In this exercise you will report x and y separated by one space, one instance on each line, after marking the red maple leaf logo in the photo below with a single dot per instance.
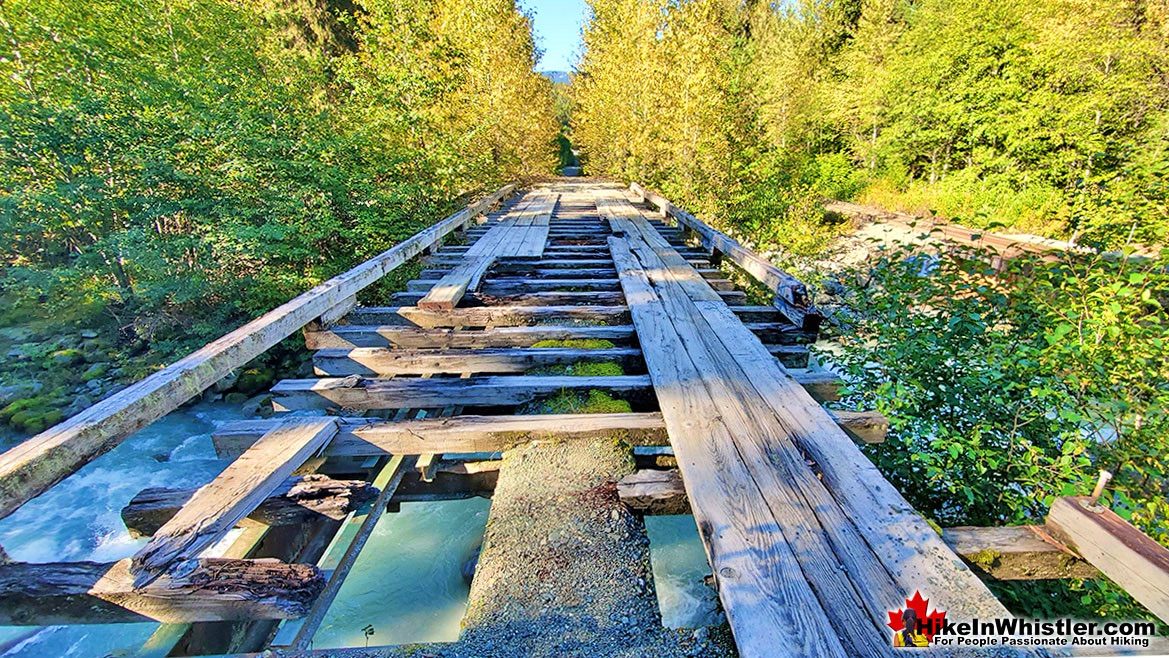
931 622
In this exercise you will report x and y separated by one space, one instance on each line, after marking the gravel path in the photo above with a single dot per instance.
565 568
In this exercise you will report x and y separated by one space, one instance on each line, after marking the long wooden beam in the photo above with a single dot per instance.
380 361
368 437
386 336
1118 549
791 295
232 495
214 589
33 466
484 391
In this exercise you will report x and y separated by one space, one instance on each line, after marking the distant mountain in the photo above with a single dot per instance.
558 77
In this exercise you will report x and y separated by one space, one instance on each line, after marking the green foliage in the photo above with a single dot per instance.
1048 116
1005 390
168 170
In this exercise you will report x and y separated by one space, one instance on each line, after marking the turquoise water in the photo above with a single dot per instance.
407 582
79 519
679 565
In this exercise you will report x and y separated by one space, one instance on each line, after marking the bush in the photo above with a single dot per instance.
1007 389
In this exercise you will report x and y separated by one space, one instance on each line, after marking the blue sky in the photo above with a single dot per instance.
557 26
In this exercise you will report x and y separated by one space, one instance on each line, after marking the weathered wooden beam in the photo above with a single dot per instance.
301 499
483 391
522 233
366 437
232 495
651 491
483 316
864 426
1118 549
515 286
213 590
386 336
380 361
1017 553
33 466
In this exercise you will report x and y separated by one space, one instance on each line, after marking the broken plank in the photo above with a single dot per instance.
232 495
301 499
215 589
649 491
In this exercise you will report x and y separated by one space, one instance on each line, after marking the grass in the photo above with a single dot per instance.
570 402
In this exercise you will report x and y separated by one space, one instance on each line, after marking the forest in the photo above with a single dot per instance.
171 169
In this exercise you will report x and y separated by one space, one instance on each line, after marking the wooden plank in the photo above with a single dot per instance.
33 466
232 495
518 285
516 235
537 298
484 391
482 316
654 492
413 337
215 589
365 437
379 361
864 426
300 499
813 537
1119 550
1017 553
770 605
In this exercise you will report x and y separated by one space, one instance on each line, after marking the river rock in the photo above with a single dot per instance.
79 404
224 385
88 334
95 371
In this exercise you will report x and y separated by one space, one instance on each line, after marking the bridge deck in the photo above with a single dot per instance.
570 298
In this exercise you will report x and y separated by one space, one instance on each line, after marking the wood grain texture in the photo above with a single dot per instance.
379 361
1016 553
1119 550
300 499
482 391
232 495
214 589
366 437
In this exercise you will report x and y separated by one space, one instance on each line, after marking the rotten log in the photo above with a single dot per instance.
217 589
304 499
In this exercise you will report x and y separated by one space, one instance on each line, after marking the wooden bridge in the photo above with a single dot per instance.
520 293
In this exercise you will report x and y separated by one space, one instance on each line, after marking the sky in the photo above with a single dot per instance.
557 25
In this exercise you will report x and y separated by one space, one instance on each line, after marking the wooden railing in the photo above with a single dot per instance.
791 295
30 468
